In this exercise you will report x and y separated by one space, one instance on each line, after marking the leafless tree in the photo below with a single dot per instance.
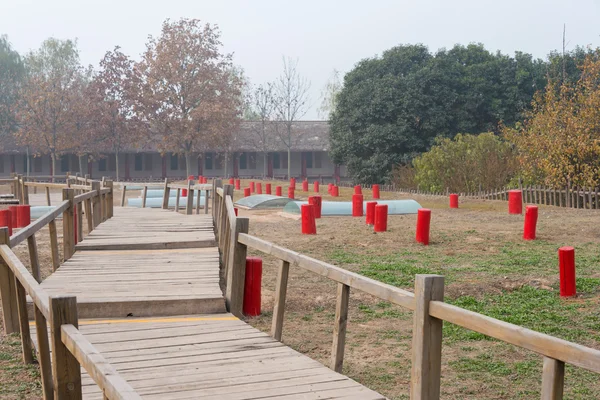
262 108
291 104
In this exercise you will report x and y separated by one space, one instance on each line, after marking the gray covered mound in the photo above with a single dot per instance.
395 207
259 201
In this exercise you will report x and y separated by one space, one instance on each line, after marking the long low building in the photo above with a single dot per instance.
309 159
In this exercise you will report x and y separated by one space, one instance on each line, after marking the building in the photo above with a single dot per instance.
309 158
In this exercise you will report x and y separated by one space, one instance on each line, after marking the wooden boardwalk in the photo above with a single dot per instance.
150 302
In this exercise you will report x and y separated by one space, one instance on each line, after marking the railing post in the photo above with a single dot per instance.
144 194
189 206
41 330
110 199
68 231
427 339
25 190
66 370
34 260
280 295
166 193
96 211
216 184
227 191
123 194
19 189
339 329
177 197
48 202
8 291
206 198
79 221
236 271
553 379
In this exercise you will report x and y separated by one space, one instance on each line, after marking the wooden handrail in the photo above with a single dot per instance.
220 191
38 224
100 370
230 211
84 196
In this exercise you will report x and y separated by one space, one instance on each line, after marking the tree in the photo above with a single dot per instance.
187 92
12 72
262 110
47 99
291 104
329 94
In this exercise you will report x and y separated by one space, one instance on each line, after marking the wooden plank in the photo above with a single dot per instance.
280 295
38 224
26 348
339 327
553 379
43 347
427 339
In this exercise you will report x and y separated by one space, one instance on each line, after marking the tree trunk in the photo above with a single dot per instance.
28 165
188 163
117 166
226 165
81 165
289 163
53 160
265 161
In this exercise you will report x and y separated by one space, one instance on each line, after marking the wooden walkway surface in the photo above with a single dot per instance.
158 316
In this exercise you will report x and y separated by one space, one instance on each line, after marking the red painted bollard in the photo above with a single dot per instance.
531 217
235 210
309 225
267 188
252 286
75 222
23 215
291 192
329 187
183 192
258 188
6 220
278 191
453 200
335 191
190 177
316 186
357 189
13 215
381 214
566 261
305 186
357 205
376 191
231 181
237 184
370 218
293 183
252 187
317 202
246 192
423 223
515 202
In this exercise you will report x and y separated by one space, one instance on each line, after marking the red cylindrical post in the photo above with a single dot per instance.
231 181
316 186
278 191
13 215
237 184
252 286
305 186
23 215
258 188
376 191
566 260
357 205
335 191
252 187
293 183
309 226
453 200
423 223
291 192
531 217
317 202
381 214
357 189
235 210
246 192
329 187
370 219
515 202
6 220
183 192
190 177
267 188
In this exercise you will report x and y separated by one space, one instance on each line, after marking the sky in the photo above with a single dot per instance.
322 35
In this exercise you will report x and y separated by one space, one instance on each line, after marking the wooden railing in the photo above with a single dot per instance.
427 303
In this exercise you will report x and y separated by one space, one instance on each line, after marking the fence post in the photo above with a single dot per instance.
68 231
166 193
34 260
25 190
41 330
206 198
227 191
339 328
427 339
110 199
8 291
96 211
66 370
19 189
123 194
553 379
144 194
189 206
236 271
280 295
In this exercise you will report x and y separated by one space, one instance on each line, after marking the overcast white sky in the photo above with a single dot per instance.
323 34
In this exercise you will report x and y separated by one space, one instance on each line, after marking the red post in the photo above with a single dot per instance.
566 260
235 210
231 181
309 226
237 184
370 219
293 183
381 214
357 189
515 202
13 215
75 222
357 205
183 192
329 187
291 192
258 188
246 192
376 191
316 186
453 200
23 215
252 187
317 202
423 223
305 186
278 191
190 177
335 191
531 217
6 220
252 286
267 188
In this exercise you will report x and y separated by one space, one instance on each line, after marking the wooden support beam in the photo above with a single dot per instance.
206 198
177 199
280 295
123 195
43 346
96 207
144 194
68 227
48 202
166 193
339 328
88 214
236 270
26 347
189 205
110 199
553 379
54 245
8 291
34 260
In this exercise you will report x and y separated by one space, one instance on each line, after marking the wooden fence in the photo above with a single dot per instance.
427 303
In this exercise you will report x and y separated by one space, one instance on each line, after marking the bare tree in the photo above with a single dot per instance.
329 94
262 108
291 104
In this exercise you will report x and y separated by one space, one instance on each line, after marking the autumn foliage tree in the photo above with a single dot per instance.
187 93
559 141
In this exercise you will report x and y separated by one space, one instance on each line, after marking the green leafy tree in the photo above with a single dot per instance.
12 72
